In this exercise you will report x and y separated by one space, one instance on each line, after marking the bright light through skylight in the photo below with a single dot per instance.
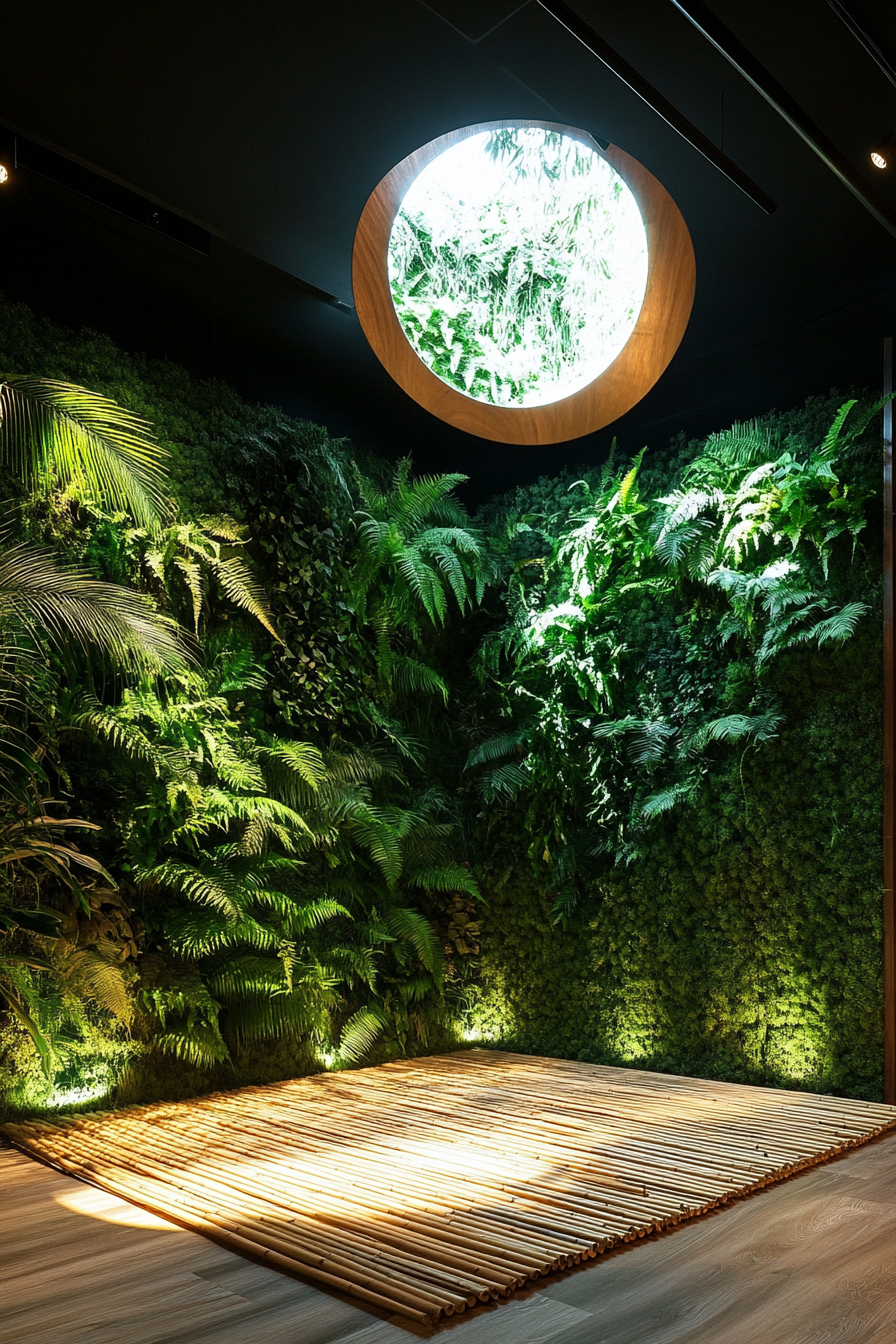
518 265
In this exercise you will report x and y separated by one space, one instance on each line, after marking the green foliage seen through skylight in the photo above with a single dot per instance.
518 265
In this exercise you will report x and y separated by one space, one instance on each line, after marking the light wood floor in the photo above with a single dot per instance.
810 1261
423 1187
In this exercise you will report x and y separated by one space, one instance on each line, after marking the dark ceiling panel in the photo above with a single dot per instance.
474 19
270 128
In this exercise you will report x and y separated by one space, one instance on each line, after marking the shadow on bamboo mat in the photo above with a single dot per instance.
426 1186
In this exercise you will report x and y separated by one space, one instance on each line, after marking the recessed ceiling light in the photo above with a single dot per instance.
4 173
884 153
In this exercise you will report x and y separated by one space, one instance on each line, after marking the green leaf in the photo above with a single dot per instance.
82 435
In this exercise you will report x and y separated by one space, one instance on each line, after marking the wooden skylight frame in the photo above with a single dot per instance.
661 324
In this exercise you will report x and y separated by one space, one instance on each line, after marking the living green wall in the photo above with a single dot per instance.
742 941
747 944
741 937
334 693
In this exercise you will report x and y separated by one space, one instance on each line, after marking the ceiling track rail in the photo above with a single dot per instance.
864 38
765 84
620 67
77 177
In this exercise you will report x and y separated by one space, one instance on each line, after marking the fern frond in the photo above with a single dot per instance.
200 1045
494 749
244 590
413 677
447 877
666 799
94 977
411 927
838 627
734 727
295 771
360 1032
210 885
192 576
503 781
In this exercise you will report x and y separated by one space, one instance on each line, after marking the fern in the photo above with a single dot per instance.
666 799
494 749
359 1033
448 877
95 978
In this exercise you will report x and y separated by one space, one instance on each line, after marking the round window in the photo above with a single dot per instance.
518 265
522 283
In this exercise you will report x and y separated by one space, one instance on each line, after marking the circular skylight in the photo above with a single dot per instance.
518 265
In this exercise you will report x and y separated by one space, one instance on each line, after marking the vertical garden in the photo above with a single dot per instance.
302 766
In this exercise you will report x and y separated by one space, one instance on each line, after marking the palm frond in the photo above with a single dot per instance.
63 605
45 423
25 1014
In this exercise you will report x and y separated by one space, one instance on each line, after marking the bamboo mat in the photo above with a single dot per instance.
425 1186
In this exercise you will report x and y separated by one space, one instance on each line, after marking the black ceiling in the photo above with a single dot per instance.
269 126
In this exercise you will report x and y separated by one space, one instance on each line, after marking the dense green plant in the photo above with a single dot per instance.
50 431
733 566
687 775
361 615
417 557
257 885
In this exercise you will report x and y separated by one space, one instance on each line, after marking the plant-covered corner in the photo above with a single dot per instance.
684 743
301 767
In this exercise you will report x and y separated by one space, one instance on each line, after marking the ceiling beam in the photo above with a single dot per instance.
862 35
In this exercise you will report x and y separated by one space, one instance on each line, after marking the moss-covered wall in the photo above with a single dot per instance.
747 944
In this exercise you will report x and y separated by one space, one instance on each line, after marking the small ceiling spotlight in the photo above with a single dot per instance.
883 155
4 174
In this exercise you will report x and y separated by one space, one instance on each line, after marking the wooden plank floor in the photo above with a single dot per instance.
432 1186
809 1261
